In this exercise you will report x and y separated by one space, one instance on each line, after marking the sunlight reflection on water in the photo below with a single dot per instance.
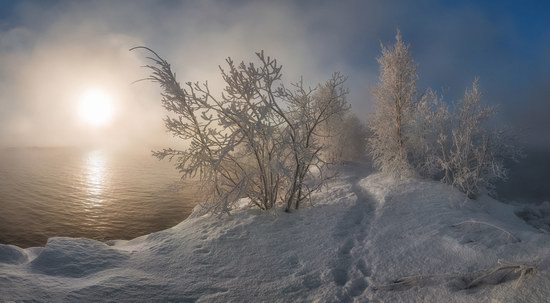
99 194
95 178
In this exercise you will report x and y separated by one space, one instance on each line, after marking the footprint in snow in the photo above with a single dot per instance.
357 287
362 267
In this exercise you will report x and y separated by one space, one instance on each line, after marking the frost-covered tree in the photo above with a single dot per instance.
460 146
308 110
394 102
345 139
431 127
473 154
255 140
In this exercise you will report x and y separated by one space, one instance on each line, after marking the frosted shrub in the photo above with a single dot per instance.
459 146
473 153
256 139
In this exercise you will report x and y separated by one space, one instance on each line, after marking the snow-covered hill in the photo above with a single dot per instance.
364 240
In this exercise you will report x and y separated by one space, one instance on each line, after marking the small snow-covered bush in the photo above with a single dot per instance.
256 140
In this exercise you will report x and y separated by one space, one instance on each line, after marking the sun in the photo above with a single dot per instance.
95 107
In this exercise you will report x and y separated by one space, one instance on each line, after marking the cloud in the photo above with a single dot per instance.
50 50
55 52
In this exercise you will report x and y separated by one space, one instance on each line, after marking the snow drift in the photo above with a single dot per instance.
372 239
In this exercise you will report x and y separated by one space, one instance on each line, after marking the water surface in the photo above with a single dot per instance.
91 193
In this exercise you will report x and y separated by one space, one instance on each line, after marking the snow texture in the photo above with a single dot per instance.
362 240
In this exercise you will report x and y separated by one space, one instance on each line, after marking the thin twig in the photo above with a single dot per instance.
472 221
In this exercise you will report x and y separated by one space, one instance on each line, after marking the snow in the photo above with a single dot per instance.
362 239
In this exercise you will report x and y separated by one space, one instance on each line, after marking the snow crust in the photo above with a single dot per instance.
370 239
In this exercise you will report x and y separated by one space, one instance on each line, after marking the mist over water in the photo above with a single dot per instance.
528 180
46 192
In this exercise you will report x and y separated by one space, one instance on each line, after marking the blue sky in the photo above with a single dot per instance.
505 43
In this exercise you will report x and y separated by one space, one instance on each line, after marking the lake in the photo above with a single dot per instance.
92 193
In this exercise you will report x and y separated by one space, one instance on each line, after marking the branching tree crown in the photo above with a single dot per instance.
256 140
473 153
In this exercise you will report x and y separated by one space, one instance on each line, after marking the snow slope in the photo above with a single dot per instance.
371 239
429 243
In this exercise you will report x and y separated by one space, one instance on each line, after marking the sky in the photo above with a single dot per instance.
53 52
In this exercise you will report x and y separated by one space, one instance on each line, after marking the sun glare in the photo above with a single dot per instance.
95 107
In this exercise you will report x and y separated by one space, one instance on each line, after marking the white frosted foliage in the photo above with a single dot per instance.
394 100
255 140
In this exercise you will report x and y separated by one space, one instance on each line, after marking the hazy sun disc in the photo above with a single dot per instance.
95 107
